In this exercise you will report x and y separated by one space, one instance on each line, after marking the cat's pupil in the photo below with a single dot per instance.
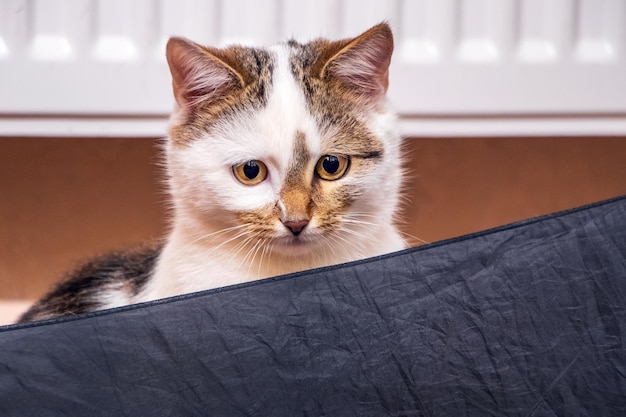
331 164
251 169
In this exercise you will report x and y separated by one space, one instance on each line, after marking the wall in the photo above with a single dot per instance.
65 199
460 67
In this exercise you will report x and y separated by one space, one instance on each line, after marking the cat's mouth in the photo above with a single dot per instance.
295 245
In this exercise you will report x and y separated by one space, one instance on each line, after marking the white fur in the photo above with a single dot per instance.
200 255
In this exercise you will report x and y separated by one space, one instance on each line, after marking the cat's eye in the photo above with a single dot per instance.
332 167
250 172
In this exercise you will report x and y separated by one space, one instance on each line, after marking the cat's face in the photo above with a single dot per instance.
289 149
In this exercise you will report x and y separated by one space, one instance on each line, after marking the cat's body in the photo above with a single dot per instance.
279 159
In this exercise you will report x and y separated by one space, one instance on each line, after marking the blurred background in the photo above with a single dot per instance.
510 108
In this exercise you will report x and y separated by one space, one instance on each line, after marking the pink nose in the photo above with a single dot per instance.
296 226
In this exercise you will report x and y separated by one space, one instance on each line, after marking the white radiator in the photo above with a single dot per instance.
461 67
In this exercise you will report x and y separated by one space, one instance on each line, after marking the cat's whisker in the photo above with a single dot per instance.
215 235
233 238
263 246
359 222
243 244
355 218
363 237
252 253
359 214
263 251
227 229
268 247
336 238
244 238
406 235
413 237
247 259
325 252
210 251
270 250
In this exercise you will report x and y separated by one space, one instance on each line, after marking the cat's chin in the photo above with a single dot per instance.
295 245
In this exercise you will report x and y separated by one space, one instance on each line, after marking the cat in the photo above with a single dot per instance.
278 159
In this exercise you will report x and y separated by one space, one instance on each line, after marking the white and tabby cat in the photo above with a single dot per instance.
279 159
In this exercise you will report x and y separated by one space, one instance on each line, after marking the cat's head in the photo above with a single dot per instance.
284 147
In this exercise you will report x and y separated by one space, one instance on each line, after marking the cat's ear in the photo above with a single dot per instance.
199 74
362 64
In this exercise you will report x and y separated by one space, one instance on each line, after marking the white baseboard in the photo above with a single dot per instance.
418 126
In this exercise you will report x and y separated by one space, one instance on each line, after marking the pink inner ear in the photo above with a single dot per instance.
363 65
197 75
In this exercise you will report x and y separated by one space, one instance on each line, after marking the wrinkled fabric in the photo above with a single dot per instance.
524 320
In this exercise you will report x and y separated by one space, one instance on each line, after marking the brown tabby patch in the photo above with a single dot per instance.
260 221
296 192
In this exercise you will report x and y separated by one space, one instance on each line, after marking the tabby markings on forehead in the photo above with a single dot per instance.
301 155
296 172
296 191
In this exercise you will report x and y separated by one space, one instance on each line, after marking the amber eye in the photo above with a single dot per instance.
250 172
332 167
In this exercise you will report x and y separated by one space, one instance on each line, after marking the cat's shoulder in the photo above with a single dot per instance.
93 284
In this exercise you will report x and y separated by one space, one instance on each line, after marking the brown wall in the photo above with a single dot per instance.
465 185
65 199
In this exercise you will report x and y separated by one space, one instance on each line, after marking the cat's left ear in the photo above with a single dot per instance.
362 64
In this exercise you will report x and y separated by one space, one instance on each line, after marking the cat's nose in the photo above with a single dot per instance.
296 226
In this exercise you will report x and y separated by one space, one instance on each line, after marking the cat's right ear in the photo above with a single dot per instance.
199 75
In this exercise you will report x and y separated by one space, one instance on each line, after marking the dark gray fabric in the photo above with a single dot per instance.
525 320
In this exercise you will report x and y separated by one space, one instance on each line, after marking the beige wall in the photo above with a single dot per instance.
65 199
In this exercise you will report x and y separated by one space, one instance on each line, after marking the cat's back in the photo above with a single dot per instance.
106 281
